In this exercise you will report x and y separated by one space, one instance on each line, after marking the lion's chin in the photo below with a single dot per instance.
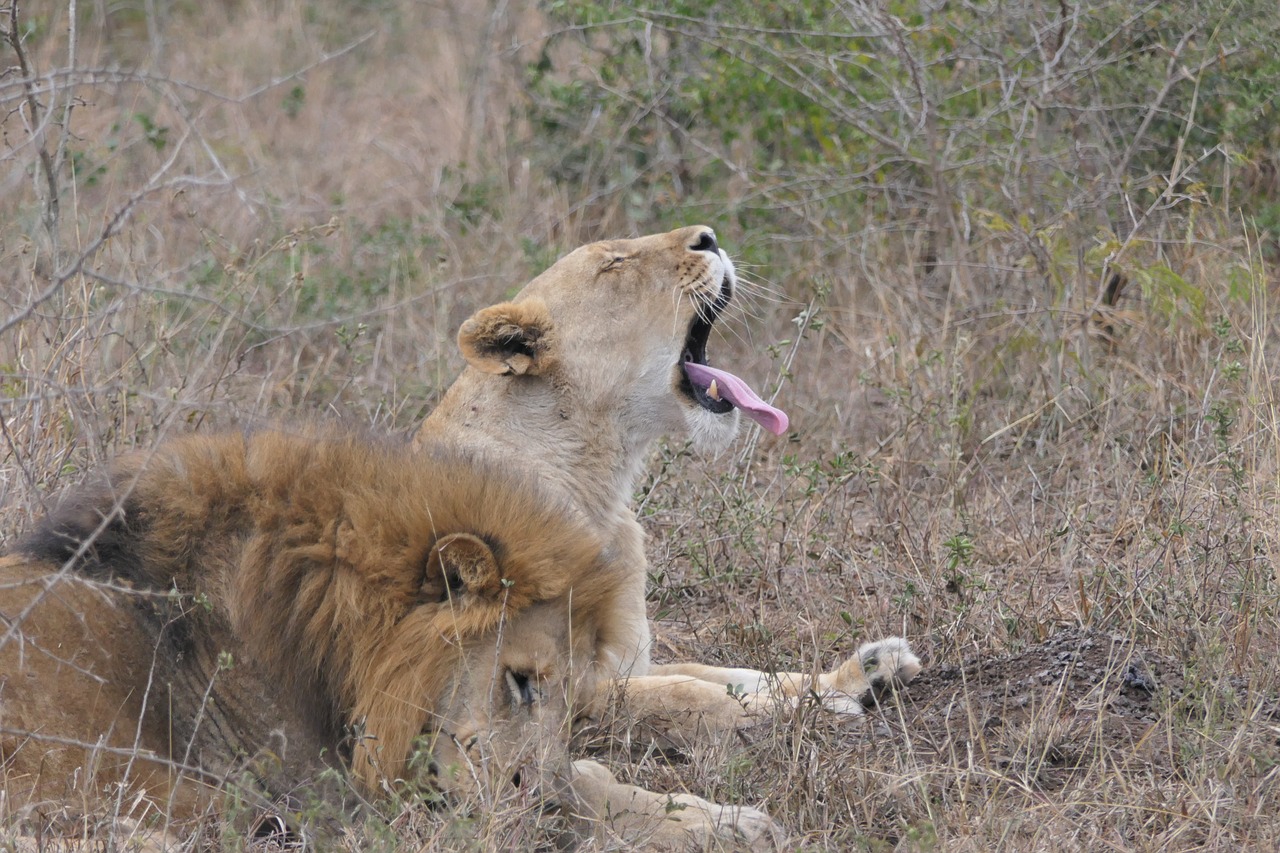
711 433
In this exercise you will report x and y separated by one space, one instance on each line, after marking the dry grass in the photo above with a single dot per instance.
972 466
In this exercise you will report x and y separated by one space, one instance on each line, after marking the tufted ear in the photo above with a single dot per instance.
508 338
461 562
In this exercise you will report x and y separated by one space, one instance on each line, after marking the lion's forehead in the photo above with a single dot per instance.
536 646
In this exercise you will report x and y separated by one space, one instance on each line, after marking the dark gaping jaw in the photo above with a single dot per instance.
719 391
695 350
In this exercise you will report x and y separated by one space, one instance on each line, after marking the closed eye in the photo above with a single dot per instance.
521 686
612 263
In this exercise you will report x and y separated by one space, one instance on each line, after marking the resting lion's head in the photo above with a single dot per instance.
483 674
503 719
622 327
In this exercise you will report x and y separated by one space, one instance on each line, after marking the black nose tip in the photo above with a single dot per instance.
706 243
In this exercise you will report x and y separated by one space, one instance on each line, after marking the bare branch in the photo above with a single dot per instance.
35 128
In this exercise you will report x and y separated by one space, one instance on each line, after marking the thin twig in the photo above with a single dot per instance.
48 166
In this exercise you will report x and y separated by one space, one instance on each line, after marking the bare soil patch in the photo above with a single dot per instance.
1045 713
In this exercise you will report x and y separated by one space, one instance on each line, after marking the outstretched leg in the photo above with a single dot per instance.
682 705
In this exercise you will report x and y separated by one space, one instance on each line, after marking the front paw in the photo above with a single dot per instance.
647 820
871 673
888 662
708 826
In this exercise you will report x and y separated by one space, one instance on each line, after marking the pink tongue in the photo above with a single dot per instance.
733 389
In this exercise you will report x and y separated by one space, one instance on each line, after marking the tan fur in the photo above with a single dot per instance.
70 698
354 588
606 325
576 378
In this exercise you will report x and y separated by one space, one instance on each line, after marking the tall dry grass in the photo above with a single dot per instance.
268 210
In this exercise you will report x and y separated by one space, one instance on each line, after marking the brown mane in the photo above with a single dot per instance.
314 553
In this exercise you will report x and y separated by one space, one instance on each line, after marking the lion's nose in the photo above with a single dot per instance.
706 242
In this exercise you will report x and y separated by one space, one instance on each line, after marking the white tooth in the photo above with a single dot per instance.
712 391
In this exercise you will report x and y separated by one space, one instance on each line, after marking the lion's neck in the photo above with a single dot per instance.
581 452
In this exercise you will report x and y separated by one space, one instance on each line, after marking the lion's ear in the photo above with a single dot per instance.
461 563
508 338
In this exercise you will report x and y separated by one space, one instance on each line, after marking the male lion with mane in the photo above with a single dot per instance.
273 602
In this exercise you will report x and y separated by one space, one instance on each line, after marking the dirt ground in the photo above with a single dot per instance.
1082 711
1044 713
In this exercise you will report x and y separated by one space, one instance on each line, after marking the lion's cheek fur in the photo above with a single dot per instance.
378 664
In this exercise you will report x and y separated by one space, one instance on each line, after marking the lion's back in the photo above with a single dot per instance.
72 680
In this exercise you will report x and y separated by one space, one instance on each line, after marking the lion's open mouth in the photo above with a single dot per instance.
695 352
715 390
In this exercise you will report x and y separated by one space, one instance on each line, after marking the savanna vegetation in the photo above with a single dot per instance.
1008 266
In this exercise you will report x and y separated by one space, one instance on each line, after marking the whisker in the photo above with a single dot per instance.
760 288
757 302
677 295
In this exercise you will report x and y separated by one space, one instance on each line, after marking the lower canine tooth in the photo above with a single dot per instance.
712 391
